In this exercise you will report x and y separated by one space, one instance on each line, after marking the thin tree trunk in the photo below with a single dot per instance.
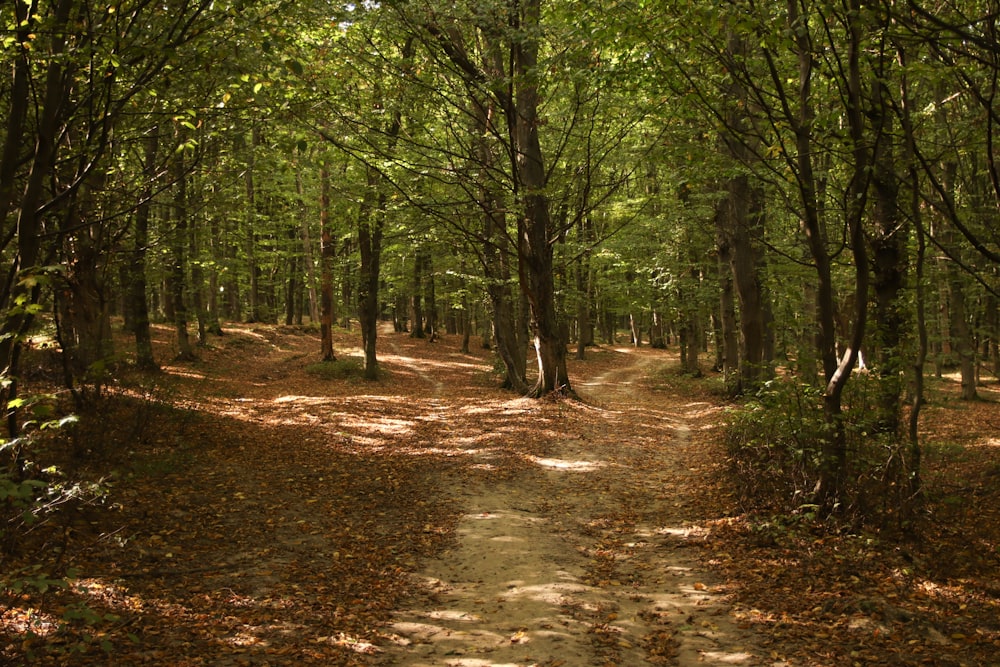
889 262
218 260
326 267
14 138
584 289
307 253
370 243
178 267
253 268
960 333
417 294
29 222
197 285
430 298
729 345
292 279
371 221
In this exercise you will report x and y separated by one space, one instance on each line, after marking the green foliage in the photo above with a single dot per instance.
776 441
350 368
31 498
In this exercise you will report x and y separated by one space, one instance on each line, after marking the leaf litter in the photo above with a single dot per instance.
272 512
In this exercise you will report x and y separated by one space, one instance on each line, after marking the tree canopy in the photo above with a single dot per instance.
763 185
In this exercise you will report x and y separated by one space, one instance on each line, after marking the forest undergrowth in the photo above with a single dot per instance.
258 506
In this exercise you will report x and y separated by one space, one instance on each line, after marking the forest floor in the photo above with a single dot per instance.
265 508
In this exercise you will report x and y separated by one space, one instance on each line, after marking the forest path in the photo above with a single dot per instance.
280 510
266 508
586 556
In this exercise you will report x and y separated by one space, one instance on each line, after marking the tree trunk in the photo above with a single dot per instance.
745 227
307 254
729 345
85 329
346 281
178 266
430 298
657 330
197 285
960 333
584 289
506 337
889 261
496 257
218 261
252 217
371 221
370 243
417 294
17 112
835 454
635 329
29 223
326 267
466 321
535 228
292 280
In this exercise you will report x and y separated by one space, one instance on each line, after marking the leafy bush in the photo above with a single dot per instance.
775 445
341 369
774 442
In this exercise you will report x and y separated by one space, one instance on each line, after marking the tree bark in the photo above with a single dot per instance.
178 267
959 331
740 224
535 235
417 294
584 288
326 267
307 255
370 226
729 344
889 261
17 321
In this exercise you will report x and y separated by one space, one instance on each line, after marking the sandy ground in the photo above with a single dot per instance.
591 557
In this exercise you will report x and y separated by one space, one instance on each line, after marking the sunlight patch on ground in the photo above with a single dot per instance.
726 658
351 643
701 409
183 372
439 451
382 426
519 406
556 593
563 464
303 400
681 531
477 662
478 410
243 639
425 364
451 615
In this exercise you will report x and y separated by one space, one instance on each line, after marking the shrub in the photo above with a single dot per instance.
775 446
342 369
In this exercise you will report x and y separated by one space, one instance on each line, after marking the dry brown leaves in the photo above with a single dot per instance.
265 513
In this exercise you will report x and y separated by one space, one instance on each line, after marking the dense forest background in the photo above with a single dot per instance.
802 195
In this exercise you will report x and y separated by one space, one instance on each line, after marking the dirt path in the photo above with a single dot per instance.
586 557
273 511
